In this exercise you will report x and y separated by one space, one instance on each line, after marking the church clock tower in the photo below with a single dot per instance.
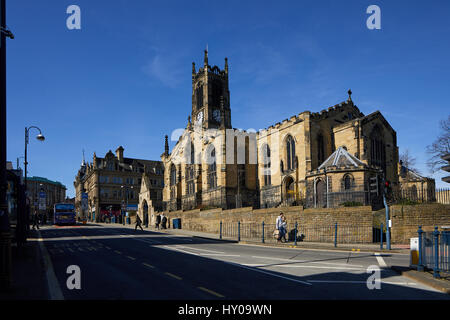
210 96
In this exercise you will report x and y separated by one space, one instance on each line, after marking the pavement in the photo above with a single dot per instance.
36 285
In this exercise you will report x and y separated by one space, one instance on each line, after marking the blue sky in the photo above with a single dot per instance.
125 77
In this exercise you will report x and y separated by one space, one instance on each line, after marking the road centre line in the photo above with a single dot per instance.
211 292
173 275
148 265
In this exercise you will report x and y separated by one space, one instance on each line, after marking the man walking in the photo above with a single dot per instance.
138 222
158 220
35 220
163 221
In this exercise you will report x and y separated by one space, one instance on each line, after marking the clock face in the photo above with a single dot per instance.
200 117
216 115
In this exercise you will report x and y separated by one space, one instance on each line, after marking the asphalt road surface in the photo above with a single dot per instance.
121 263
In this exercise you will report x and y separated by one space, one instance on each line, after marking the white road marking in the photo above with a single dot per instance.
269 273
363 282
380 260
53 284
301 266
188 252
212 251
319 262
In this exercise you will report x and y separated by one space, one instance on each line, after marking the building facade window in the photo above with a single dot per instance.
320 149
377 148
212 167
347 181
267 164
290 153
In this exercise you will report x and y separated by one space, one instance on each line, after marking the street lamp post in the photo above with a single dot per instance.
40 137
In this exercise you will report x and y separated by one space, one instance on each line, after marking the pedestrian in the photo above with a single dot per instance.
35 219
138 222
279 226
163 221
284 227
158 221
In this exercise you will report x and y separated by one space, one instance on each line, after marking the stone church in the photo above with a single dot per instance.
315 159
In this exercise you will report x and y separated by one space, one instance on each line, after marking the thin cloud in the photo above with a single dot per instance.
165 70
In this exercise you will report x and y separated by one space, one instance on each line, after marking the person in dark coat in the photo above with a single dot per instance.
163 222
158 221
138 223
35 219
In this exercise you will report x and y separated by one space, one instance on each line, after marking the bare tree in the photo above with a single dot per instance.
440 147
408 160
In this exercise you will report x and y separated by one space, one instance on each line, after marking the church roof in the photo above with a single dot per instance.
341 158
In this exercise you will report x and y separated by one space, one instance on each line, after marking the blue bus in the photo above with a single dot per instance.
64 213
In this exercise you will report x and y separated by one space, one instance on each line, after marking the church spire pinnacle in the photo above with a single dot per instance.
206 56
166 145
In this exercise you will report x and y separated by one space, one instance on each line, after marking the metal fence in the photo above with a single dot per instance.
422 196
434 251
264 232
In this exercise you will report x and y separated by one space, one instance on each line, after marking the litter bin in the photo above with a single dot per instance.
176 223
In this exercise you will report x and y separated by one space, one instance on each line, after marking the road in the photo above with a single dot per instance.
121 263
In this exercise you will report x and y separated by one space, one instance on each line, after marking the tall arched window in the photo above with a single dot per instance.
173 181
290 153
212 174
320 150
266 164
190 169
347 182
377 148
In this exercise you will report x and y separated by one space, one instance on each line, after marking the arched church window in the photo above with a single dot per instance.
173 175
267 165
320 149
377 148
347 182
290 153
212 174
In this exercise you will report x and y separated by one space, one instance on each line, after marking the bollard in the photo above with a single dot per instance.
263 232
239 231
335 234
220 232
420 266
295 234
436 253
381 237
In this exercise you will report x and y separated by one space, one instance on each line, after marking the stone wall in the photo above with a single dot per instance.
354 223
406 219
309 220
